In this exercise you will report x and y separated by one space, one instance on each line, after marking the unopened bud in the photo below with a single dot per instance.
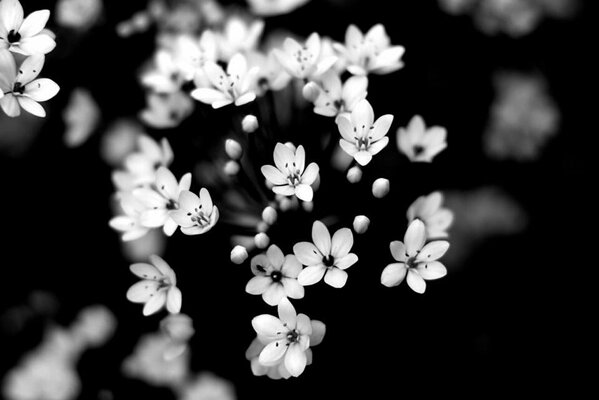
269 215
380 188
354 174
261 240
239 254
249 123
231 168
311 91
361 223
233 149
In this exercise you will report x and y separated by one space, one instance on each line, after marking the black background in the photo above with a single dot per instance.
512 316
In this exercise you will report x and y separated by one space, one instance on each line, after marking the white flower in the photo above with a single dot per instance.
287 338
415 259
370 53
276 276
238 36
436 218
274 7
129 223
196 215
233 86
325 257
361 136
78 14
207 386
271 74
23 89
24 36
304 61
165 76
420 144
289 176
190 54
157 288
336 98
81 117
94 325
166 110
162 200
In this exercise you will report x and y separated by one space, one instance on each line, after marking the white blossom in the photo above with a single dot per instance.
129 223
238 36
196 215
158 287
335 97
361 136
304 61
275 276
289 176
22 89
429 210
191 53
325 257
415 259
78 14
81 117
166 110
420 144
25 36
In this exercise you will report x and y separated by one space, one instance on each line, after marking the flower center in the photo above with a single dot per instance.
411 262
164 283
418 150
293 175
199 218
328 261
13 37
18 88
303 58
293 336
276 276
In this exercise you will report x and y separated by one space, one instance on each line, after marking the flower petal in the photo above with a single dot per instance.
318 332
30 68
393 274
307 253
275 256
292 288
433 251
31 106
346 261
295 360
142 291
268 326
188 201
167 183
398 251
274 294
362 115
291 266
38 44
321 238
173 300
272 353
335 277
415 237
311 275
381 126
209 95
431 270
273 175
363 157
258 285
155 303
145 271
300 158
415 281
284 190
10 105
310 174
283 157
34 23
11 14
162 266
304 192
205 201
349 147
345 128
342 242
287 313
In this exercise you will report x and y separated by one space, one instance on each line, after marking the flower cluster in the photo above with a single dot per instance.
20 87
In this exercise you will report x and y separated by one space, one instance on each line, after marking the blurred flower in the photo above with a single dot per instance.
157 288
437 219
420 144
24 36
81 117
287 338
196 215
78 14
166 110
335 98
269 8
275 276
361 136
370 53
289 176
207 386
415 259
325 257
23 89
129 223
238 36
94 325
304 61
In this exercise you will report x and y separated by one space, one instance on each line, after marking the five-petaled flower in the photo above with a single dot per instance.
370 53
234 86
24 36
304 61
22 89
361 136
420 144
195 215
289 176
325 257
428 209
286 338
276 276
157 288
335 98
415 259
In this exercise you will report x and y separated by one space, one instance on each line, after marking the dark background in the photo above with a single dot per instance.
514 314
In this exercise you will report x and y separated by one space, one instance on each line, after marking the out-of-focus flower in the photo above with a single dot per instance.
157 288
207 386
289 176
94 325
178 327
415 259
325 257
361 136
523 118
287 338
238 36
78 14
304 61
335 98
165 76
24 36
269 8
129 223
420 144
233 86
190 54
196 215
81 117
22 89
370 53
429 210
119 140
275 276
166 110
271 74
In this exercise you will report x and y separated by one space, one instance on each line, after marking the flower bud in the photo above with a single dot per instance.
361 223
380 188
239 254
354 174
249 123
261 240
311 91
231 168
233 149
269 215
